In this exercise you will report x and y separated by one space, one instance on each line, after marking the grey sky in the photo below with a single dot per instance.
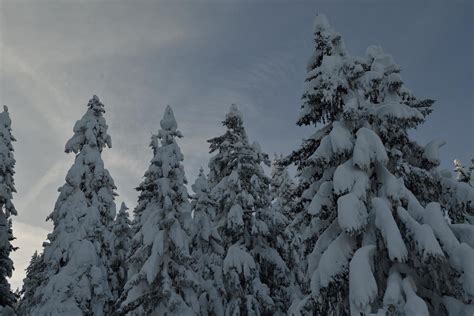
200 57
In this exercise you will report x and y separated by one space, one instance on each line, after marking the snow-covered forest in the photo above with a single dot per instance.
369 225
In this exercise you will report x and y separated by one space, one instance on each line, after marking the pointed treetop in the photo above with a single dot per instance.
234 112
168 123
95 104
328 42
234 120
123 207
5 117
201 184
320 23
91 129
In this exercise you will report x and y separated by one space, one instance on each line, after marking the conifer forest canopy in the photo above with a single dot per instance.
236 158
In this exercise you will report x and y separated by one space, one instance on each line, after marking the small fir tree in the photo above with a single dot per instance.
255 274
207 249
122 235
34 278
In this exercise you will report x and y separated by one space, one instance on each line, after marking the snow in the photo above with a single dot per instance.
179 238
462 259
431 151
335 259
368 149
168 122
398 111
324 151
348 178
457 308
341 139
464 233
426 243
323 242
385 222
414 304
235 217
240 260
433 216
351 213
382 62
321 199
362 284
392 187
393 293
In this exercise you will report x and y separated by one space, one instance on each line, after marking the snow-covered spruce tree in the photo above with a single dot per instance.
378 249
122 235
34 278
207 249
160 276
282 188
328 72
7 188
77 253
255 275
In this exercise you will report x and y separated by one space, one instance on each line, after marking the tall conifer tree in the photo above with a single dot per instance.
160 276
255 274
77 253
371 244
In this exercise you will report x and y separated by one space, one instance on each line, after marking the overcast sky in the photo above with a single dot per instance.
199 57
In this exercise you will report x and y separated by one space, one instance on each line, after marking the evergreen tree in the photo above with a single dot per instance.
255 274
283 192
122 235
378 249
34 278
160 277
77 254
7 188
207 249
282 188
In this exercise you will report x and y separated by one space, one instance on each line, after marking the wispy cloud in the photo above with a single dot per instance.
55 173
